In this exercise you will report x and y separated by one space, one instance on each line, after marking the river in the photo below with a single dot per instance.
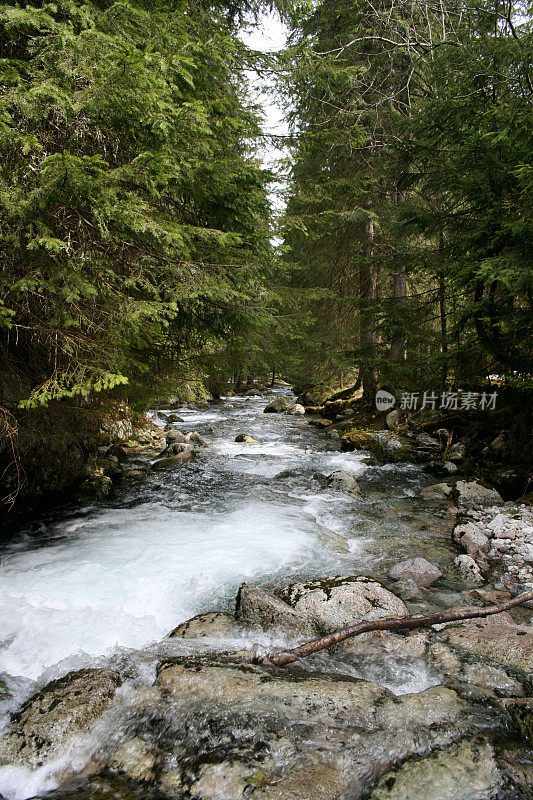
103 584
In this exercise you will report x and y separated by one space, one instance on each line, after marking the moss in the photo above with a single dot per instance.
359 438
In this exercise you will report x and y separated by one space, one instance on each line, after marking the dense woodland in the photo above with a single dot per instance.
140 255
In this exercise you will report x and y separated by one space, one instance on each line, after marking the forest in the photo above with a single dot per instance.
142 257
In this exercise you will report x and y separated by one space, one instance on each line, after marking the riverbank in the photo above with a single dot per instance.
131 712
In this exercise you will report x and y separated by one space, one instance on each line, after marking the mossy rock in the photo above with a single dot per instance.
357 439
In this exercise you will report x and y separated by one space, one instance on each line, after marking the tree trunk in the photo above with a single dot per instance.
367 292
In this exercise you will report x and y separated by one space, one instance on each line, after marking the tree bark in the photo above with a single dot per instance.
391 624
367 293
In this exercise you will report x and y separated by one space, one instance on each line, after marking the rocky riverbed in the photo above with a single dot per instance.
318 539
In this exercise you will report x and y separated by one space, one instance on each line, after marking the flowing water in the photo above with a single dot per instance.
103 584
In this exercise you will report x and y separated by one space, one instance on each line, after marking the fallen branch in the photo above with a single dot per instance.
391 624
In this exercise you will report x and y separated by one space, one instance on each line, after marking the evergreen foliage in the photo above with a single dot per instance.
133 210
410 200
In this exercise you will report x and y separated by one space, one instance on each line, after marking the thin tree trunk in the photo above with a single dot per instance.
399 291
367 291
392 624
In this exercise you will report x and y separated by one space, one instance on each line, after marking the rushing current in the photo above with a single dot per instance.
105 583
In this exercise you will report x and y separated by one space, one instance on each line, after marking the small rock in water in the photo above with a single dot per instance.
218 624
296 410
246 438
439 491
468 568
422 572
278 405
344 482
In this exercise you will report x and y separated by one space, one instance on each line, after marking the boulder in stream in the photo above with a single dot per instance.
422 572
278 405
255 606
241 729
245 438
296 410
62 709
344 482
333 603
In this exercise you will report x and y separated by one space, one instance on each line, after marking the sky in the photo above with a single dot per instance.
269 36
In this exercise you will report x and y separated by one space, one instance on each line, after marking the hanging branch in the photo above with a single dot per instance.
391 624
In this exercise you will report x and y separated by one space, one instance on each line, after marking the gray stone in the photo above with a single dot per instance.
278 405
256 606
475 541
336 603
393 420
296 410
288 734
218 624
62 709
493 678
344 482
169 462
496 640
246 438
422 572
450 467
472 493
174 435
196 439
439 491
468 569
466 771
426 441
457 452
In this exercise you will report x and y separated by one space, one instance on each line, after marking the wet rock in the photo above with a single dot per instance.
195 438
256 606
356 440
296 410
278 405
496 640
492 678
439 491
407 589
343 482
444 659
422 572
287 734
62 709
468 569
246 438
521 711
472 493
467 771
336 603
427 442
174 435
171 461
389 448
173 418
320 422
98 485
218 624
136 759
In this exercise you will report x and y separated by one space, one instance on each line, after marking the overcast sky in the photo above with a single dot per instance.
269 36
